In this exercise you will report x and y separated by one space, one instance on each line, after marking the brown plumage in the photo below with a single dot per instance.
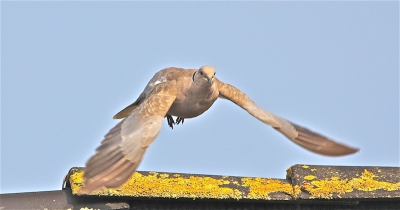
184 94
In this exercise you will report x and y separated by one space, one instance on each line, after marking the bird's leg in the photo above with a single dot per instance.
178 120
170 121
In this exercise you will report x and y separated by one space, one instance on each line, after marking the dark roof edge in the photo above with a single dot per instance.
302 182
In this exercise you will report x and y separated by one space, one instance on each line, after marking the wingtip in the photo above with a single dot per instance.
320 144
85 191
344 152
120 115
89 187
353 150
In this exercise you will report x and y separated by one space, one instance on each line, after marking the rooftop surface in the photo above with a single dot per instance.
305 186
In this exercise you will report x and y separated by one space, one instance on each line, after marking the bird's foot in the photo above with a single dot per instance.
170 121
179 120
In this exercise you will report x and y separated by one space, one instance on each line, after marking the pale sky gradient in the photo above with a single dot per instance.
68 67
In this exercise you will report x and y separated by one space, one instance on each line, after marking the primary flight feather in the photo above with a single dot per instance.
184 93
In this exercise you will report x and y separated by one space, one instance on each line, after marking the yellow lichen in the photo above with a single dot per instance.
326 188
76 180
154 185
305 166
185 186
309 177
336 186
296 191
260 188
177 186
367 182
162 185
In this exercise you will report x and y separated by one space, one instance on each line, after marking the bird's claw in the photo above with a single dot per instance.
172 122
179 120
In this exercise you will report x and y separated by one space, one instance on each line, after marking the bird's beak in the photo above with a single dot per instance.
210 80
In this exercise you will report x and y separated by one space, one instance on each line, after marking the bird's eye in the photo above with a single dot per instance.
214 73
201 72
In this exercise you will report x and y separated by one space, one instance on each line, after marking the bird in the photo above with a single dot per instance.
183 93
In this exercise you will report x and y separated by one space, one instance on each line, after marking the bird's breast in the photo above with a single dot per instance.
194 103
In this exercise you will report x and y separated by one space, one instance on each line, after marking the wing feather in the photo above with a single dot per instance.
161 76
123 147
302 136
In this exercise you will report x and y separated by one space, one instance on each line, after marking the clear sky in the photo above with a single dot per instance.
68 67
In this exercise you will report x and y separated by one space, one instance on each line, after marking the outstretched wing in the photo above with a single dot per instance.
299 135
127 110
161 76
123 147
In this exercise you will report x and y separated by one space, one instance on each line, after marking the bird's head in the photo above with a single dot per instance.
206 73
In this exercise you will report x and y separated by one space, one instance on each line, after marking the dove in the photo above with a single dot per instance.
183 93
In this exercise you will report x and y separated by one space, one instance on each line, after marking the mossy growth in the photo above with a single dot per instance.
166 185
260 188
334 186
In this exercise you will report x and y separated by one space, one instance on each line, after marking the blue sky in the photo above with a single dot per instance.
68 67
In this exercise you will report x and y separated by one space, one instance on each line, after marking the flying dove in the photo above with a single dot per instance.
184 93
